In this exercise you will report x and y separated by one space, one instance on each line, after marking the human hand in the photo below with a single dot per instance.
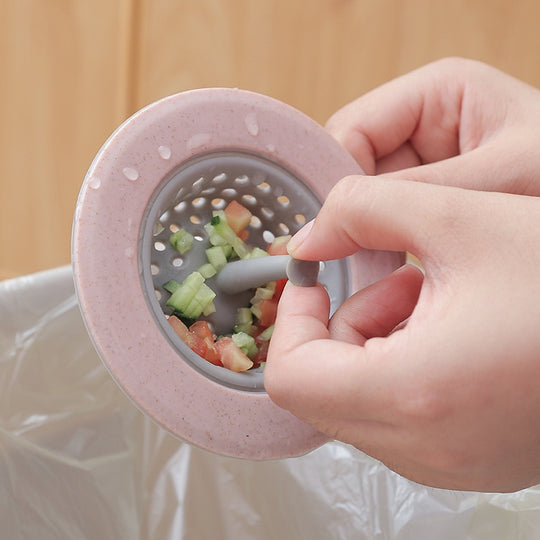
451 399
454 122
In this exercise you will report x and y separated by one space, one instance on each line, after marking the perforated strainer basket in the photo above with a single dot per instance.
168 167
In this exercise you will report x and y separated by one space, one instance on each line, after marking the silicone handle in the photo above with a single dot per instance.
238 276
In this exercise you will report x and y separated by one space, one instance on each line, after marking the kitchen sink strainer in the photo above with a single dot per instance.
170 166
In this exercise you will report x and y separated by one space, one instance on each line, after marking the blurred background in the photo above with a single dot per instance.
73 70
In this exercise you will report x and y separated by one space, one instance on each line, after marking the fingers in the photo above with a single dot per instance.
307 310
313 376
385 214
423 106
376 310
453 122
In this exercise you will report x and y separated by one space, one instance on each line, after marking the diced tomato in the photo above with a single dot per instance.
231 356
280 285
202 329
197 345
238 216
212 353
279 245
268 312
180 328
198 338
262 353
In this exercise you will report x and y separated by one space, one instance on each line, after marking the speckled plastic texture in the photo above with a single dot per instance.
113 204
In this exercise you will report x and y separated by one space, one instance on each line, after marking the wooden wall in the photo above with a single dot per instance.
72 70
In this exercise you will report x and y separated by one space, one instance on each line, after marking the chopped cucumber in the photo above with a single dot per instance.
199 302
256 310
222 229
207 270
171 285
215 238
209 309
246 328
258 252
262 293
266 334
244 321
182 241
244 316
186 291
245 343
216 257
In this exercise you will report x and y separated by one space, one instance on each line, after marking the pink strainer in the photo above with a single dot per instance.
171 165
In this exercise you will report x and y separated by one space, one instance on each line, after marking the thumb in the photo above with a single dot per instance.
383 213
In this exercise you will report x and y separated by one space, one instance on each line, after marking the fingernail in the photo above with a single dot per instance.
298 239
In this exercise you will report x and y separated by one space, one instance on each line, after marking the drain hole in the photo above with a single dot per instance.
268 237
282 229
219 178
218 203
242 180
264 187
249 199
198 184
268 213
229 193
255 222
283 200
300 219
199 202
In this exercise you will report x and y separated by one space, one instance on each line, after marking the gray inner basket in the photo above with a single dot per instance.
280 202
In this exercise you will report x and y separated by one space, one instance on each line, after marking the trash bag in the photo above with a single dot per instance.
78 460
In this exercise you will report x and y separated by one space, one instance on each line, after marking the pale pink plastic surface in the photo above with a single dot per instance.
113 199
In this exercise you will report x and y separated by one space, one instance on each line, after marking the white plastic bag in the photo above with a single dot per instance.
79 461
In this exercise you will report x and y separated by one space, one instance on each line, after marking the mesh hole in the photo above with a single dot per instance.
255 222
229 193
199 202
268 236
219 178
249 199
265 187
282 229
159 246
242 180
198 184
218 203
300 219
283 200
